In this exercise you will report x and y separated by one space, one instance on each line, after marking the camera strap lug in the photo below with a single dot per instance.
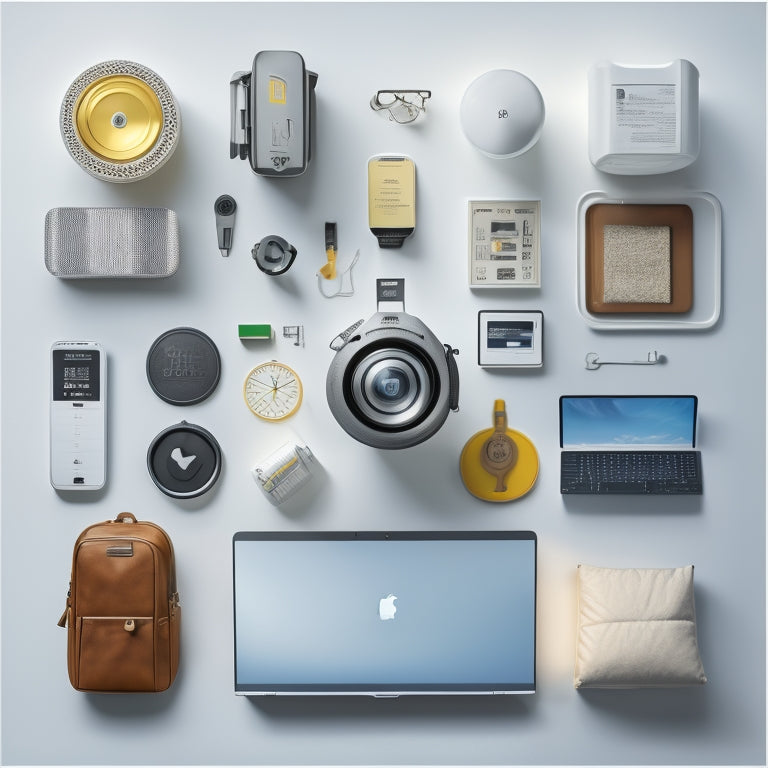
453 377
341 340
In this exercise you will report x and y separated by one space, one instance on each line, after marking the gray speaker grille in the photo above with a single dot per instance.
136 169
111 242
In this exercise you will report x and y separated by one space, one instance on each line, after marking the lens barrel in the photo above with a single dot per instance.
389 386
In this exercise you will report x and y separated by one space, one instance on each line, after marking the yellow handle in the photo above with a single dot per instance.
328 271
500 416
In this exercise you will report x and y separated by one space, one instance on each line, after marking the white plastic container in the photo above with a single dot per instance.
643 119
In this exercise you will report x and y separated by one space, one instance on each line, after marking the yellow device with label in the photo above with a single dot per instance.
391 199
499 464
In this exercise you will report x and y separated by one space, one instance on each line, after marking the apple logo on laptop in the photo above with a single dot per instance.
387 609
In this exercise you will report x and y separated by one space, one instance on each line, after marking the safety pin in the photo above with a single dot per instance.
594 362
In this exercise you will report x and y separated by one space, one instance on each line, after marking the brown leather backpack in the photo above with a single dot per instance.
123 615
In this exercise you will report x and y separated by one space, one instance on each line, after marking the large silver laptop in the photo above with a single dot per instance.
385 614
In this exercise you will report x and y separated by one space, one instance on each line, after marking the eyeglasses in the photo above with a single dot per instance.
403 106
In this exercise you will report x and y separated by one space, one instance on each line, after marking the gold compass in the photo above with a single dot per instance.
273 391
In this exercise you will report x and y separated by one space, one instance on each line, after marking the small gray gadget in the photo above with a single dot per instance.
272 114
510 338
184 461
224 208
273 255
391 383
111 242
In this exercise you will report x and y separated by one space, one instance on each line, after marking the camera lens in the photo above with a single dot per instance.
391 387
391 383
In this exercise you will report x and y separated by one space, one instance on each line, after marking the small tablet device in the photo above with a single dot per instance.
510 339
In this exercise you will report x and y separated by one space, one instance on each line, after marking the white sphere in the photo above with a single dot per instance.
502 113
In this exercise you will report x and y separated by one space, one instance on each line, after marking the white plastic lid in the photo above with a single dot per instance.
502 113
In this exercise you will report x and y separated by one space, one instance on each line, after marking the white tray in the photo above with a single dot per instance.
707 265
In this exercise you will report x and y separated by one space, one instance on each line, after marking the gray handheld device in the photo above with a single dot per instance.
272 114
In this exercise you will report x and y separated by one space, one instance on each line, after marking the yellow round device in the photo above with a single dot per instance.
499 464
119 121
119 118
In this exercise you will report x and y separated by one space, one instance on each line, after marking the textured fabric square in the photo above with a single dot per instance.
636 264
636 628
111 242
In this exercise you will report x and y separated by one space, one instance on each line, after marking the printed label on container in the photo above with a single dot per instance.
646 118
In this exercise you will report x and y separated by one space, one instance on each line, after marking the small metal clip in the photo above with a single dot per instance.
120 550
240 126
294 332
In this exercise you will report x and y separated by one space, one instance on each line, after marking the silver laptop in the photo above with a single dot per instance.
638 444
385 614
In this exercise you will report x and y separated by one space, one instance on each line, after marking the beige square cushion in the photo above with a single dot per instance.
636 264
636 628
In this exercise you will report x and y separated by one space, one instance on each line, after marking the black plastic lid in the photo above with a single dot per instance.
183 366
184 461
391 238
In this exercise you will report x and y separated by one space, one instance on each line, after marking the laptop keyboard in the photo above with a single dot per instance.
658 472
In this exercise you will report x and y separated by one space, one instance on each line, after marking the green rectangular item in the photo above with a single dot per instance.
258 331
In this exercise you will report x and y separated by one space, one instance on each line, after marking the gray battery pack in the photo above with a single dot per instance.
272 114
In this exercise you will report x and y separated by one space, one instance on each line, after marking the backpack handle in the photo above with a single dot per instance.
125 517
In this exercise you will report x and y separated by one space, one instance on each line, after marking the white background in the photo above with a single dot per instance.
357 49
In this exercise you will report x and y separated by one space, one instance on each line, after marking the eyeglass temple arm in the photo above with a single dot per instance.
377 100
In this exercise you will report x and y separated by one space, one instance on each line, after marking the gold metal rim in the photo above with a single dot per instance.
119 118
294 407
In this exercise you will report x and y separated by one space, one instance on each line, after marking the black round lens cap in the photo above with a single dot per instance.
183 366
184 460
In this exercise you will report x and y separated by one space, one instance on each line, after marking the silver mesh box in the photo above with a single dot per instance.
111 242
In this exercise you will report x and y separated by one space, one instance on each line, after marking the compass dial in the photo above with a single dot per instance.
273 391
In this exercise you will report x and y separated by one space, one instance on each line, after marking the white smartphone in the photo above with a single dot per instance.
78 416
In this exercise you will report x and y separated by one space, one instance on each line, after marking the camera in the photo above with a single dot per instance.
391 383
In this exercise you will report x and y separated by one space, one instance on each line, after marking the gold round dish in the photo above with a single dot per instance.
119 118
119 121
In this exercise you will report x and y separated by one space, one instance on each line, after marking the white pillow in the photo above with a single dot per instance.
636 628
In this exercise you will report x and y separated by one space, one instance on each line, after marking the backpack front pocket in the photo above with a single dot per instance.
116 653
